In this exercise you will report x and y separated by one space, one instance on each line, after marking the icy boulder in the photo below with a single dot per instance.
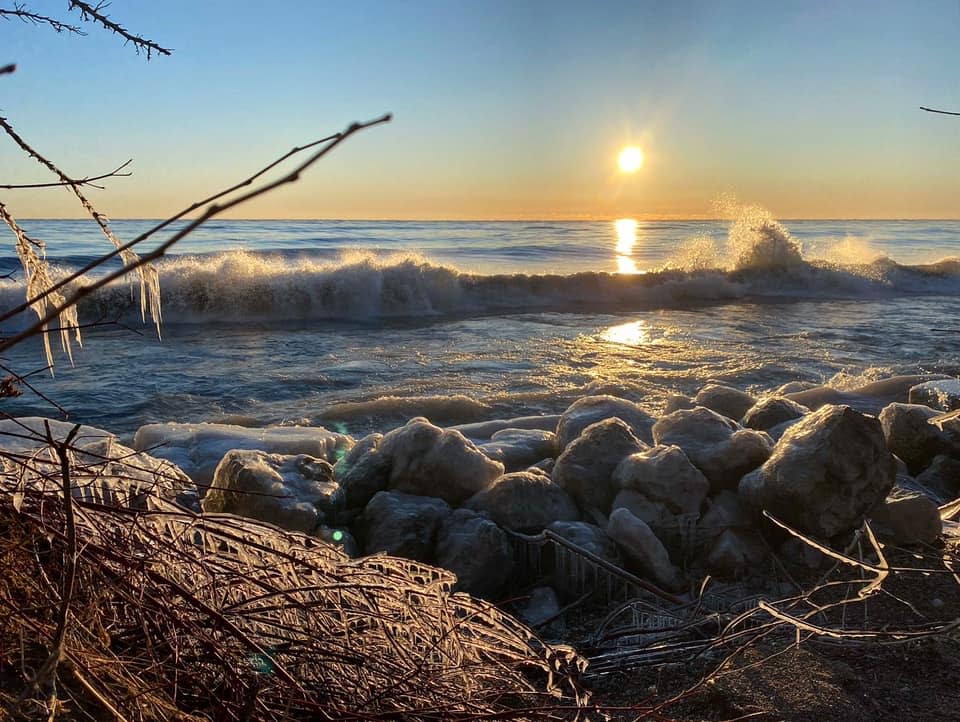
942 477
825 474
524 501
722 449
644 552
402 525
519 448
730 402
363 471
664 474
198 448
429 461
585 469
906 517
104 470
588 537
772 411
591 409
296 493
477 551
910 436
736 553
943 395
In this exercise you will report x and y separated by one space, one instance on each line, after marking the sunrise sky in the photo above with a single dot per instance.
513 109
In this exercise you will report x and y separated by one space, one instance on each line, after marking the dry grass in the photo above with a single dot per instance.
110 612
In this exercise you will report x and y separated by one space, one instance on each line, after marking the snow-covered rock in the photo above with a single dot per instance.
585 469
943 394
402 525
519 448
644 552
825 474
590 409
730 402
910 436
426 460
476 550
525 501
296 493
722 449
772 411
665 474
198 448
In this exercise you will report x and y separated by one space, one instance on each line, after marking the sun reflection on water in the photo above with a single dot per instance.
626 229
634 333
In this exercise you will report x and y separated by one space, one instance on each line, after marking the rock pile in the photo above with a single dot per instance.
669 498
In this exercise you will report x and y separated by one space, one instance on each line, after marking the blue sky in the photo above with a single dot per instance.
502 109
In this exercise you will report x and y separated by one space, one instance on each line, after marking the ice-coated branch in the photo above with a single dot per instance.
93 13
212 210
149 279
87 181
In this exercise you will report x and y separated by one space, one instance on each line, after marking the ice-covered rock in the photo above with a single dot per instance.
910 436
724 511
542 606
109 472
476 550
484 430
296 493
942 477
906 517
585 469
869 398
644 552
519 448
722 449
104 470
730 402
654 513
825 474
426 460
362 471
586 536
590 409
943 394
736 553
665 474
772 411
402 525
793 387
198 448
676 402
525 501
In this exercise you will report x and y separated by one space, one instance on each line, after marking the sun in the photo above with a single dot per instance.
630 159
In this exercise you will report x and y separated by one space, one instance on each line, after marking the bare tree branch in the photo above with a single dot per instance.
21 12
163 224
92 13
6 69
942 112
149 281
88 181
212 210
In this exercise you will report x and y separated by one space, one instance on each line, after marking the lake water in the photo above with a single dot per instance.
360 325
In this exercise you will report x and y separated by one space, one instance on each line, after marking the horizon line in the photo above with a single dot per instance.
603 219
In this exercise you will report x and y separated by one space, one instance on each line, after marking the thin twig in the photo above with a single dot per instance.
88 181
92 13
942 112
20 12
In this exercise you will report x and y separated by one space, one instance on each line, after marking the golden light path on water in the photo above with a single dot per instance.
633 333
626 229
